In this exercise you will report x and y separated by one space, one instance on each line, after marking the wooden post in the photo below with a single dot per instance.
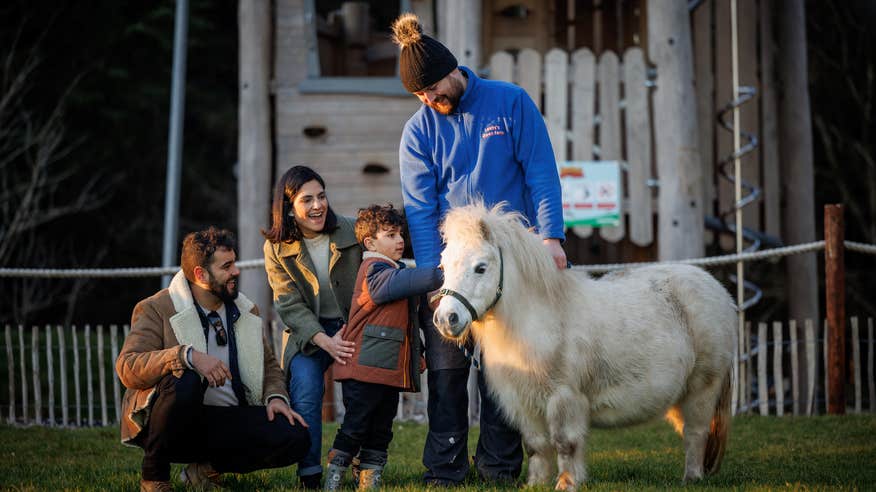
62 362
76 388
328 397
811 361
778 378
254 144
680 228
749 367
10 372
89 387
826 383
556 106
114 347
23 364
461 30
101 376
796 159
763 395
856 363
35 366
743 364
795 377
835 273
870 382
50 367
610 136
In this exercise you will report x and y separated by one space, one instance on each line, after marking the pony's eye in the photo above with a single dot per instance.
481 268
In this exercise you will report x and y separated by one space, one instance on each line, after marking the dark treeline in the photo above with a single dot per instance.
96 171
84 104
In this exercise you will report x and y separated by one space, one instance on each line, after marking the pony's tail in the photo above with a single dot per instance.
719 430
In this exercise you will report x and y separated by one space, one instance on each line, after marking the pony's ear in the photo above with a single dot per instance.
485 230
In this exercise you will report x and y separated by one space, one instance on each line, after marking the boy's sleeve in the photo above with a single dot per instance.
387 283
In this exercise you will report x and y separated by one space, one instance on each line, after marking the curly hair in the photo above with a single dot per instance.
198 248
375 218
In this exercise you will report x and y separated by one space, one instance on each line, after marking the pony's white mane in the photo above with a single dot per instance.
506 229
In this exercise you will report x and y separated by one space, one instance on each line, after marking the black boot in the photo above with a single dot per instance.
311 482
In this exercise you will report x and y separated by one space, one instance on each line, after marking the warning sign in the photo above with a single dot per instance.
591 193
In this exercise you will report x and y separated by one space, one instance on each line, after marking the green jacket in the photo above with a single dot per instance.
295 285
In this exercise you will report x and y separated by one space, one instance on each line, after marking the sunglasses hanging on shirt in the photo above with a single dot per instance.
216 322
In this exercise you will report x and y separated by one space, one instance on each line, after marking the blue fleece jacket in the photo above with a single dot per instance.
494 148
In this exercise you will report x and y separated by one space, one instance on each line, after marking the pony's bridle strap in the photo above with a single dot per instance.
459 297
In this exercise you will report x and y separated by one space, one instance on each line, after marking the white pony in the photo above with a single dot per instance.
563 352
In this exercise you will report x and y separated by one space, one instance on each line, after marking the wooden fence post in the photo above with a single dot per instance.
101 376
810 365
89 390
76 385
62 360
10 363
35 366
114 347
778 378
763 395
834 269
870 383
50 368
856 362
795 366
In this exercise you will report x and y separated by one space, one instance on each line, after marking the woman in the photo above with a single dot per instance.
312 258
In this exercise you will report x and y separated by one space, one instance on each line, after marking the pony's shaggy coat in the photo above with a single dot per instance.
563 352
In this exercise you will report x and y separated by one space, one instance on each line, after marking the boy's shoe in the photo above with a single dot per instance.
311 482
155 486
201 476
334 475
354 469
369 478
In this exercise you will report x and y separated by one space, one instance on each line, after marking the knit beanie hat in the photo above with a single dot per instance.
423 60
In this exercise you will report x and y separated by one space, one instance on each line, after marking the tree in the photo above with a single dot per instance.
34 186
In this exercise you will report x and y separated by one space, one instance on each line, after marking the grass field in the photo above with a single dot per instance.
765 453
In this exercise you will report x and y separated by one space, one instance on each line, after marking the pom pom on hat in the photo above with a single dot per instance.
423 60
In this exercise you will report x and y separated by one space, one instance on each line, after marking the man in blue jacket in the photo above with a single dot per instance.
472 139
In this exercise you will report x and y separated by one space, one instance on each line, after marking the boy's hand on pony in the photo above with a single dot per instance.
341 350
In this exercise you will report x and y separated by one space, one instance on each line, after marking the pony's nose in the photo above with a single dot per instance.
453 318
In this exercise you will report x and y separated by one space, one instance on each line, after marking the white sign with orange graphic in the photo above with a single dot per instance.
591 193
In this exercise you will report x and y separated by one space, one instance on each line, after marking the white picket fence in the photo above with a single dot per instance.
65 376
594 109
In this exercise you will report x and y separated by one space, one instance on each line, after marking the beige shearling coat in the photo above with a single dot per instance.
163 326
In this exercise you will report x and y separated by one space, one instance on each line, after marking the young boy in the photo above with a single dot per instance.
386 358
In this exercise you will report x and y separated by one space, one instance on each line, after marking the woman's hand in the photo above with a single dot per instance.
341 350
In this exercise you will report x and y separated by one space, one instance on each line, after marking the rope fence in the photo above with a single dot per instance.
248 264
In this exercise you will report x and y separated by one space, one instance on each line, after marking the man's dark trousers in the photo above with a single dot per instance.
232 439
499 454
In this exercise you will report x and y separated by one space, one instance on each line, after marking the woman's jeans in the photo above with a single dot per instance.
306 388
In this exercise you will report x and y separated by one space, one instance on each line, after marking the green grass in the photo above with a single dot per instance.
765 453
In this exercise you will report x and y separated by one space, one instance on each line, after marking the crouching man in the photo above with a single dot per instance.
203 386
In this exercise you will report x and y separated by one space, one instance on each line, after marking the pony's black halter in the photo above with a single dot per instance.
459 297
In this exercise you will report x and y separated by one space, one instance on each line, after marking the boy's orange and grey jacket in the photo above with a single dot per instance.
383 323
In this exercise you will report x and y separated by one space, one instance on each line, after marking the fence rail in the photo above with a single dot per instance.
37 389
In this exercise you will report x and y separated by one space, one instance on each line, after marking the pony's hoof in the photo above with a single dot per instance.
689 479
565 482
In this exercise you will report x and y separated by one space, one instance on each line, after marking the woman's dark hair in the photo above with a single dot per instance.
283 225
